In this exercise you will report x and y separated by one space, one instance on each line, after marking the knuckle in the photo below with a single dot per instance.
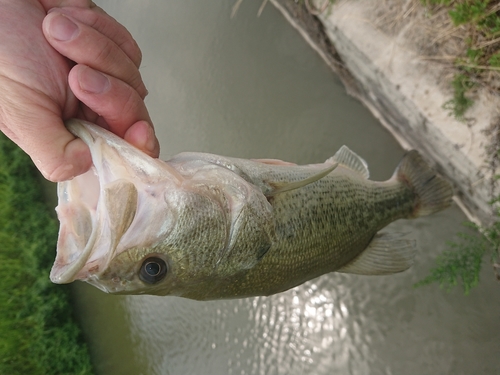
131 48
139 86
104 54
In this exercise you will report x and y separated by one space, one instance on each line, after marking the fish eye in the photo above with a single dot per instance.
153 270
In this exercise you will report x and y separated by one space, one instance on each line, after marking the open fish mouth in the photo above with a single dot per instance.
95 209
79 226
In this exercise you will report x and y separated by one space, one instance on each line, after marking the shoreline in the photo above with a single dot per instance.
405 93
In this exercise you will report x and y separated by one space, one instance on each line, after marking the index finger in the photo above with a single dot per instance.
85 45
107 26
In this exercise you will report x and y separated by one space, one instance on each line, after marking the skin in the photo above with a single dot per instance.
67 58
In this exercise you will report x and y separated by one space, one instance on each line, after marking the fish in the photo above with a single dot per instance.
208 227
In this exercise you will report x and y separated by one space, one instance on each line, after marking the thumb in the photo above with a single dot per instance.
57 153
60 155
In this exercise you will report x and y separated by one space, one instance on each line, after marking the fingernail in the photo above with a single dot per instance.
62 28
151 140
92 81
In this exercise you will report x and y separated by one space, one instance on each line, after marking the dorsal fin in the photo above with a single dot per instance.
351 160
280 187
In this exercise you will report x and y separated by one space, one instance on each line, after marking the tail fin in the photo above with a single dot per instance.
433 192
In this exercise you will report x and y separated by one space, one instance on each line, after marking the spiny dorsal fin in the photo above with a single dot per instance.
351 160
386 254
280 187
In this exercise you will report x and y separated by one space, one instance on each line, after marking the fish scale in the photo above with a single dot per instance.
311 227
205 226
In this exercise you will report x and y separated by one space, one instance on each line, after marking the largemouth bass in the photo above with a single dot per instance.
204 226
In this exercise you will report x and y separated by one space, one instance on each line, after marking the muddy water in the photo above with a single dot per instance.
251 87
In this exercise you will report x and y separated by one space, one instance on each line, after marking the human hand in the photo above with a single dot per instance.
46 77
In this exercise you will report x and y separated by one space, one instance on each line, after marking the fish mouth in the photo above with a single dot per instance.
95 209
78 226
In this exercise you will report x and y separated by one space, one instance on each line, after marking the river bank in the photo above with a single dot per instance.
384 68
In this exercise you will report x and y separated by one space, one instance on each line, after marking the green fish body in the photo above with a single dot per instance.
204 226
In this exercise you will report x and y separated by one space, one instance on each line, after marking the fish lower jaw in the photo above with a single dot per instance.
94 280
71 259
77 212
115 285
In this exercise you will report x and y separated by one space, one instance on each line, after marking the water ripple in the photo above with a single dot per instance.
309 329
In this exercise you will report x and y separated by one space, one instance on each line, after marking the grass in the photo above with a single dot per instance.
462 35
461 101
462 263
38 332
477 26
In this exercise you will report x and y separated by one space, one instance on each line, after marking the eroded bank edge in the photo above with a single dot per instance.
410 125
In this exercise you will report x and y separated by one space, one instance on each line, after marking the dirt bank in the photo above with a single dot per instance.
381 63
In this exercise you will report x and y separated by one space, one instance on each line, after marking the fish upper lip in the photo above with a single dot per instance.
81 216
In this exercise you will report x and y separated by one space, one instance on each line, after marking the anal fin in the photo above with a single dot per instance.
386 254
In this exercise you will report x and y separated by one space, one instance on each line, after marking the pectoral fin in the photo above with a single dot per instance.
386 254
280 187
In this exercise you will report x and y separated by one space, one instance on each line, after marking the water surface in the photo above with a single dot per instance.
251 87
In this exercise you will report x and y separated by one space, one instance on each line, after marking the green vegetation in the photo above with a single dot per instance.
38 333
479 63
462 263
460 102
